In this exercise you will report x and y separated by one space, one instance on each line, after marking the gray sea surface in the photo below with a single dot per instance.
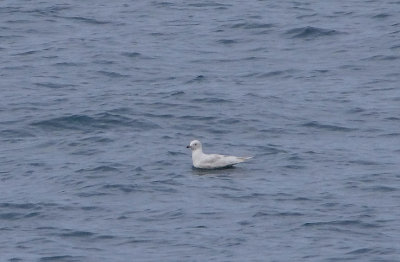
98 100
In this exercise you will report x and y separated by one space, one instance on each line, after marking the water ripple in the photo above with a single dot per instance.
352 223
63 258
317 125
252 25
86 20
310 32
87 123
122 187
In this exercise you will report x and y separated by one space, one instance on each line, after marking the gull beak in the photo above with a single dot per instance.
187 146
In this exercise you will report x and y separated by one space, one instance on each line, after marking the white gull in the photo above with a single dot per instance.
211 161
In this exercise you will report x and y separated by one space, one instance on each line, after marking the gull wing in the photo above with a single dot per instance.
218 161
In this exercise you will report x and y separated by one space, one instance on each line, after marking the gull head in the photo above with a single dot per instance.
194 145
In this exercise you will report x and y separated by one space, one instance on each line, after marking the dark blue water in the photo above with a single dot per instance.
100 98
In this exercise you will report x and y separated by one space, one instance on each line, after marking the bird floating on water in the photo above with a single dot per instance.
212 161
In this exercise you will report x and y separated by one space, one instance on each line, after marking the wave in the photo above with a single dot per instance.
87 20
211 100
382 188
197 79
68 64
77 234
90 123
53 85
252 25
62 258
357 223
276 73
17 215
227 41
315 124
381 16
278 214
381 58
121 187
32 52
311 32
131 54
20 206
112 74
99 169
15 133
209 4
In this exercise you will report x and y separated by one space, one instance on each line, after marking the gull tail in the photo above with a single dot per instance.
245 158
